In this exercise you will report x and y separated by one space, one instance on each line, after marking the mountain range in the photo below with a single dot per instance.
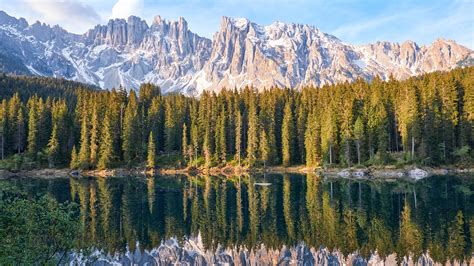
130 52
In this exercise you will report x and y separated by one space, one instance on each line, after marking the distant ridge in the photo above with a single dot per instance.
130 52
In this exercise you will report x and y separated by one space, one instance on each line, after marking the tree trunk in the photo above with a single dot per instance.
412 147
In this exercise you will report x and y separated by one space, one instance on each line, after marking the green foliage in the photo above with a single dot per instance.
151 152
36 231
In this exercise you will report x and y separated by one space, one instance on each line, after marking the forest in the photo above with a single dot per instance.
426 120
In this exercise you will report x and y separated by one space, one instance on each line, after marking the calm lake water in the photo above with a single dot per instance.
275 210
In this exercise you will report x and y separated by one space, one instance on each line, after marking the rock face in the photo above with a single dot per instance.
129 52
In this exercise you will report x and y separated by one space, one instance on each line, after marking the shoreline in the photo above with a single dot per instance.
384 173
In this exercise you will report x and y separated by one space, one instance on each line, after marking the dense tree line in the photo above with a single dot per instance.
27 86
427 119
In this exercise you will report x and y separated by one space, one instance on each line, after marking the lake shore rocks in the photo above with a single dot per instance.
411 173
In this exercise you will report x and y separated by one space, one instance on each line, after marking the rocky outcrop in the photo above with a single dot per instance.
242 53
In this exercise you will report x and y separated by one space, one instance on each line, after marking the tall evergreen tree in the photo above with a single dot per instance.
84 150
94 136
312 142
32 127
359 133
252 133
130 134
238 137
53 148
106 148
287 135
151 152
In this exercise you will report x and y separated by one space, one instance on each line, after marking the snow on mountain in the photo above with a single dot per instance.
129 52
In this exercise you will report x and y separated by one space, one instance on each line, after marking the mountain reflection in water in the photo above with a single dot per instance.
344 215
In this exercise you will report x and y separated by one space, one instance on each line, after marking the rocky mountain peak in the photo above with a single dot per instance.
128 52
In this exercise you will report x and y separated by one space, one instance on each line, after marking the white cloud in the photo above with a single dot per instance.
126 8
73 15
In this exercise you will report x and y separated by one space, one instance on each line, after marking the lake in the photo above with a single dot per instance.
263 219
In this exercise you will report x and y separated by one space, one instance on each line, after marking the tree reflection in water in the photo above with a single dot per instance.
407 218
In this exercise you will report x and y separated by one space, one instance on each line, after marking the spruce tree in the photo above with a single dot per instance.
264 148
32 140
53 148
94 136
312 141
252 133
220 139
84 150
106 148
184 144
151 152
287 135
75 163
130 135
359 136
170 126
238 138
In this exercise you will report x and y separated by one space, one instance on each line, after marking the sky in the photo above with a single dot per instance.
352 21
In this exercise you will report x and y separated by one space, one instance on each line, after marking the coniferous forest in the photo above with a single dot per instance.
425 120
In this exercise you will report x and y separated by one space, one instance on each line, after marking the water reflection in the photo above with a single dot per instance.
342 214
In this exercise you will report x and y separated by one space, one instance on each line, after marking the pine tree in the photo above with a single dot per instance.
170 124
328 132
359 135
264 148
84 150
74 159
252 133
94 139
206 149
220 139
32 139
287 135
195 139
130 135
20 130
312 141
184 144
106 148
53 148
151 152
408 119
238 137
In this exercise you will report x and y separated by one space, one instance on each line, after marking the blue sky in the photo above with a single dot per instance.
352 21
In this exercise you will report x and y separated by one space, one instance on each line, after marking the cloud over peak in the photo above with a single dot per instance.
126 8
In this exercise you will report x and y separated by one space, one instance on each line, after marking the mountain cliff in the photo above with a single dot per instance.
129 52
